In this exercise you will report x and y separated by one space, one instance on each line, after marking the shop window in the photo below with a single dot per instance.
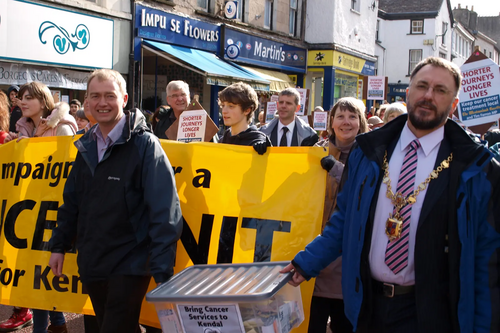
268 14
293 17
417 27
203 4
345 86
415 58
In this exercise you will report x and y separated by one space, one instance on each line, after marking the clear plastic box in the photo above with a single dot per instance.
229 298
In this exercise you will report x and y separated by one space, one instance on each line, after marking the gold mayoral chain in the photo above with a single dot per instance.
394 224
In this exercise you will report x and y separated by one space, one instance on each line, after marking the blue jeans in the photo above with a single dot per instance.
41 320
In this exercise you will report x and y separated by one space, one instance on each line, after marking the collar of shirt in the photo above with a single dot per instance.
290 126
427 142
113 135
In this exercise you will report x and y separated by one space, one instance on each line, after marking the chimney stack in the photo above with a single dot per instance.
472 8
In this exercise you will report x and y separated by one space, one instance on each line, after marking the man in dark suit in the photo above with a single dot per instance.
288 130
417 220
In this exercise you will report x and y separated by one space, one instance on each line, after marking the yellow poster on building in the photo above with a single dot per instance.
237 206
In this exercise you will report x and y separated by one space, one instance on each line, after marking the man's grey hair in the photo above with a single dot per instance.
178 85
291 92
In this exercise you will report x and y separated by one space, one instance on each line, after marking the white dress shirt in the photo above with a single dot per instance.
426 154
289 134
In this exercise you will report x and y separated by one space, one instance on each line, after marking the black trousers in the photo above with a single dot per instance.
321 309
392 315
117 302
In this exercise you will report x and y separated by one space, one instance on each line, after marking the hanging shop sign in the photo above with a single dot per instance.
43 34
165 27
264 52
19 74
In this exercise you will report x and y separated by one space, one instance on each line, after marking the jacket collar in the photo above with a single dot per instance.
135 123
375 143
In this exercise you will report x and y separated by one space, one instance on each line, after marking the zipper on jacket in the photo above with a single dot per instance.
361 192
467 210
459 203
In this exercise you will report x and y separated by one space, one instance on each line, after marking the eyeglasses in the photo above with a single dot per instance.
438 91
175 96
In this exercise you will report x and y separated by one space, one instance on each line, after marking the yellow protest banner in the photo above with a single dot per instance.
237 206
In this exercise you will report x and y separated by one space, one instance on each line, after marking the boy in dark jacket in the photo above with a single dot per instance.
239 102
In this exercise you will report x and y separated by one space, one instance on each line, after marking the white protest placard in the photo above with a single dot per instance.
217 318
275 98
480 93
376 87
65 98
303 100
272 107
320 120
192 126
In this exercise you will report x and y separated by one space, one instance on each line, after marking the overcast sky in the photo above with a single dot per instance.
482 7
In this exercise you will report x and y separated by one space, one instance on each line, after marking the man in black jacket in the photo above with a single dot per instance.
120 207
178 98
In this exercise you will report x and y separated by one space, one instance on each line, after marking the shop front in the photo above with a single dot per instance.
172 47
283 65
52 45
332 74
397 92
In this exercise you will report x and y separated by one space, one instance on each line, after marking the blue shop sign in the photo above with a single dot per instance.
264 52
172 29
368 68
397 89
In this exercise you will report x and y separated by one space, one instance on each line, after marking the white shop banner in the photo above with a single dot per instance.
41 33
53 77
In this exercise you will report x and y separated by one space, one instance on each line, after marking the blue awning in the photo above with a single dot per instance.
217 71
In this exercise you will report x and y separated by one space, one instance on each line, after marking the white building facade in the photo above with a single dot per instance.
461 44
341 55
409 33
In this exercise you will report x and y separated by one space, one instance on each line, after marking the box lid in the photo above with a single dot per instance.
223 283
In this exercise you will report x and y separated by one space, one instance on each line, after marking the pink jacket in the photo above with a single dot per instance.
48 127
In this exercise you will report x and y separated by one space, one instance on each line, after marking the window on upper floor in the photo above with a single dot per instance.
293 17
417 27
355 5
490 56
377 30
442 55
203 4
415 58
268 14
443 32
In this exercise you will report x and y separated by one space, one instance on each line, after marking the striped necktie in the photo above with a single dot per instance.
396 254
